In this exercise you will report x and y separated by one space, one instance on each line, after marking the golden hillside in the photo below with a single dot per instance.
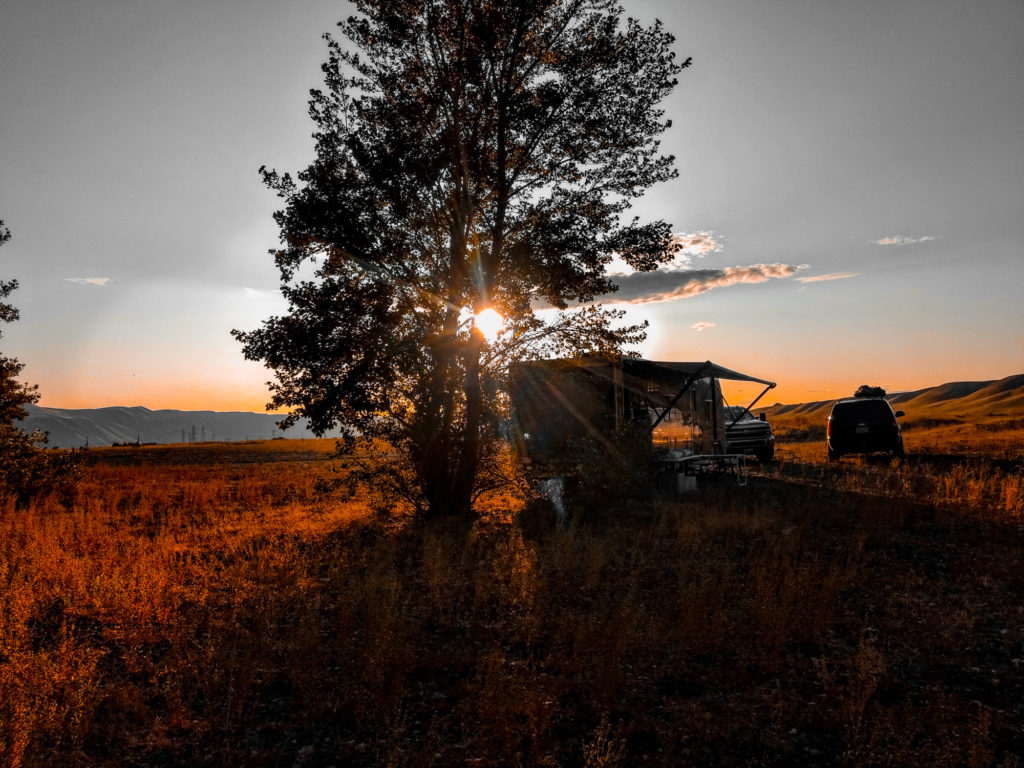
955 417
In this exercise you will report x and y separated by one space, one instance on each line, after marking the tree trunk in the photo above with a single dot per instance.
435 445
469 456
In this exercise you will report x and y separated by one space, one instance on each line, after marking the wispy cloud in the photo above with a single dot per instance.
823 278
697 244
702 325
667 285
679 280
88 280
898 240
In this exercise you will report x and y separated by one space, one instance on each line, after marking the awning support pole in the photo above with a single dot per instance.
752 404
693 377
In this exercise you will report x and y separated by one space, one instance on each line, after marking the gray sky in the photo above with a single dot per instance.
858 169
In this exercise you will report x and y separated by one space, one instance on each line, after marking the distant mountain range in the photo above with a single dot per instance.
965 399
105 426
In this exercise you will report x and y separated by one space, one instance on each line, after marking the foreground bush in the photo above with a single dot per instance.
27 471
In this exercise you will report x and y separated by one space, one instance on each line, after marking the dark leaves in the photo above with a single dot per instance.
468 153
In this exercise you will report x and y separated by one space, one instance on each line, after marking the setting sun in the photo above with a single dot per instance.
490 323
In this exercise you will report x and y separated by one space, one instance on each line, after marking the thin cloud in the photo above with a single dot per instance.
900 240
702 325
668 285
697 244
823 278
88 280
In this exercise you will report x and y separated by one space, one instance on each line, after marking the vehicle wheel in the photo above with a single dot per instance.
833 455
766 456
898 452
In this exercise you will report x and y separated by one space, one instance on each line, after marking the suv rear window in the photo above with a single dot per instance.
868 411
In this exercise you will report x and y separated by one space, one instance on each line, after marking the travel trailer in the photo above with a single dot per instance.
671 413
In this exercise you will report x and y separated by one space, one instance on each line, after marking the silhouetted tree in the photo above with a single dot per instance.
14 395
24 468
866 390
469 154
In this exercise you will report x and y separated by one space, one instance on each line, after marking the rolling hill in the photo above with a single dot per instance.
945 414
68 428
959 399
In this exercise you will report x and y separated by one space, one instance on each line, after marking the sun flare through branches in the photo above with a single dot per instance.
491 324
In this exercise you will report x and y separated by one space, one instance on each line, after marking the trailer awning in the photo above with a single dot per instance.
704 369
665 373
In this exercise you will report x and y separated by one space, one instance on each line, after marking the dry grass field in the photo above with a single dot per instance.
215 605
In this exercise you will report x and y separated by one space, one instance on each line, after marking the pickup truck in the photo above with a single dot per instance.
746 433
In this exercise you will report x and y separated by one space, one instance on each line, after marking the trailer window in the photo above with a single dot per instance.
676 430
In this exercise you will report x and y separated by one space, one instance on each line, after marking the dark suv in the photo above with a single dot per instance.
864 425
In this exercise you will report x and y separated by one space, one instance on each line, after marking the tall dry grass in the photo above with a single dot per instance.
997 439
91 589
233 612
980 484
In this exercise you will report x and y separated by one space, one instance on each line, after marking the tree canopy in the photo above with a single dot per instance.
470 154
866 390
